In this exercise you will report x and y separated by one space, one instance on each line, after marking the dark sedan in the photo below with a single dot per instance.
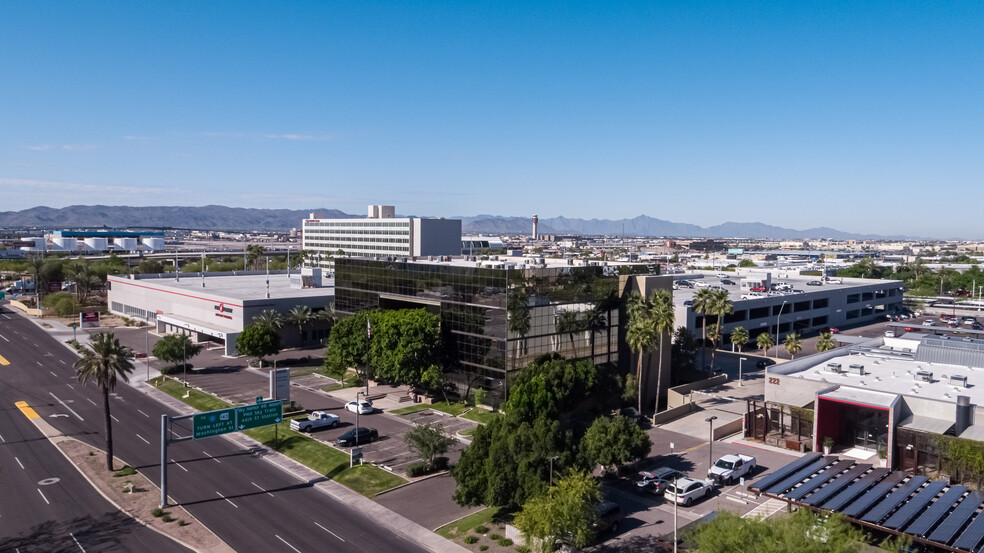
366 435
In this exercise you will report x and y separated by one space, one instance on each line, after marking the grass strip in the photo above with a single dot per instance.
461 527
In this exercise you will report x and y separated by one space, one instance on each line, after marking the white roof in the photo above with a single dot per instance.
865 397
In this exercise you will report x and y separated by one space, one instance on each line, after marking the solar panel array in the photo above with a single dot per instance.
897 501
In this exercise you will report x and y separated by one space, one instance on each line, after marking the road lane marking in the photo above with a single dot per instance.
114 418
77 542
142 438
179 465
43 497
1 439
28 412
62 362
4 338
65 405
19 463
70 386
210 456
287 544
142 413
92 402
36 346
329 531
261 489
230 502
52 373
3 361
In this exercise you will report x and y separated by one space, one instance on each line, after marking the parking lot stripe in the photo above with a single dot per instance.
3 361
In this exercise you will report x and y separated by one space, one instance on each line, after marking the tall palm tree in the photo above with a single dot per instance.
268 317
299 316
702 305
253 254
793 344
640 334
826 342
661 313
739 337
765 341
720 306
106 362
569 323
594 322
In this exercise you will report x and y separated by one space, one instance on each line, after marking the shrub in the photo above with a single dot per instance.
169 370
505 542
440 463
127 470
481 529
417 469
157 512
495 537
483 548
167 517
182 522
522 549
471 539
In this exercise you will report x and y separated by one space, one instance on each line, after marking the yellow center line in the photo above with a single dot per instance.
26 409
3 361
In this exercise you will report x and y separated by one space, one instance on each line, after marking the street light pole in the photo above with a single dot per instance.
676 479
740 359
710 441
777 327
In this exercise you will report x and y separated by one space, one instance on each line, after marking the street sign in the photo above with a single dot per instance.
280 384
259 414
214 423
355 455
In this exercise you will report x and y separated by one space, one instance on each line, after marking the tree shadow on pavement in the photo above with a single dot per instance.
95 532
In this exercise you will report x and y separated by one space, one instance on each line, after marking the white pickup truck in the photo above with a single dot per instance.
730 468
317 419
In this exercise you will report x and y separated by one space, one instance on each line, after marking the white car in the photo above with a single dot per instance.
928 322
686 491
362 407
890 334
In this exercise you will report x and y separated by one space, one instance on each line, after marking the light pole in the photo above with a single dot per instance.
358 409
147 349
740 359
676 479
777 327
710 441
979 290
551 468
184 361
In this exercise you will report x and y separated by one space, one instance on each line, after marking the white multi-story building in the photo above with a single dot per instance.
380 234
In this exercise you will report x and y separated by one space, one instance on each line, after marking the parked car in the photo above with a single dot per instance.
969 320
929 322
609 516
763 363
730 468
757 289
814 283
890 334
362 407
976 326
656 481
317 419
366 435
833 330
727 282
687 490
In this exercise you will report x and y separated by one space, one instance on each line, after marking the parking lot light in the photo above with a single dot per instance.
710 441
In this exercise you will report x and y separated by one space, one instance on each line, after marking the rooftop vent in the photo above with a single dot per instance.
856 369
958 380
924 376
834 367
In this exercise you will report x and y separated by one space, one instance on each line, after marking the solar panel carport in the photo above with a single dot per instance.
932 513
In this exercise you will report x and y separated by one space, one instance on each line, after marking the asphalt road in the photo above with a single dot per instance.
247 502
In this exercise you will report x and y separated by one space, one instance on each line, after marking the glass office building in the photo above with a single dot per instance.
496 316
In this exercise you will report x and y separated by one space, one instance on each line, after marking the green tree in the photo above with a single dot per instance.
746 263
613 442
428 441
174 348
802 531
435 381
348 346
253 254
595 321
702 303
85 280
150 267
739 337
566 512
548 387
826 342
683 352
258 341
299 316
104 363
268 317
405 343
765 341
662 313
793 344
570 323
720 306
640 335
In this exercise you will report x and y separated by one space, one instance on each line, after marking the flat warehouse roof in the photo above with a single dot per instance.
798 282
231 287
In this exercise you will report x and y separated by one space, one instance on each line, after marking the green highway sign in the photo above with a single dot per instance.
214 423
259 414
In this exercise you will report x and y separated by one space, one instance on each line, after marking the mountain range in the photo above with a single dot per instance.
216 217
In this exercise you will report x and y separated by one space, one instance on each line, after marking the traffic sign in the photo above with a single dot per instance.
214 423
259 414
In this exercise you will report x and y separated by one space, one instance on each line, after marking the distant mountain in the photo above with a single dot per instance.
217 217
212 217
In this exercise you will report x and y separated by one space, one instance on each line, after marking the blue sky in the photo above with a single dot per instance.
863 116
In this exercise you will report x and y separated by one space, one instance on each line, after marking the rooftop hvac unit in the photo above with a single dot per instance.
834 367
924 376
856 369
958 380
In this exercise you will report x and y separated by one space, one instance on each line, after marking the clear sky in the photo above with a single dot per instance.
863 116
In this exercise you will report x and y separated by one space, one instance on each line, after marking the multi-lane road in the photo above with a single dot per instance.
239 496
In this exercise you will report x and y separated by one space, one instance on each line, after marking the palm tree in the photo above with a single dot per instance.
594 322
661 312
702 305
739 337
793 344
103 364
268 317
299 316
720 306
253 254
765 342
640 334
568 324
826 342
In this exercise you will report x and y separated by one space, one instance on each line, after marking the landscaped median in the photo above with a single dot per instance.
334 464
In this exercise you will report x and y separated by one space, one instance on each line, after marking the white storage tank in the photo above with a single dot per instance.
153 244
65 244
125 244
96 244
40 245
